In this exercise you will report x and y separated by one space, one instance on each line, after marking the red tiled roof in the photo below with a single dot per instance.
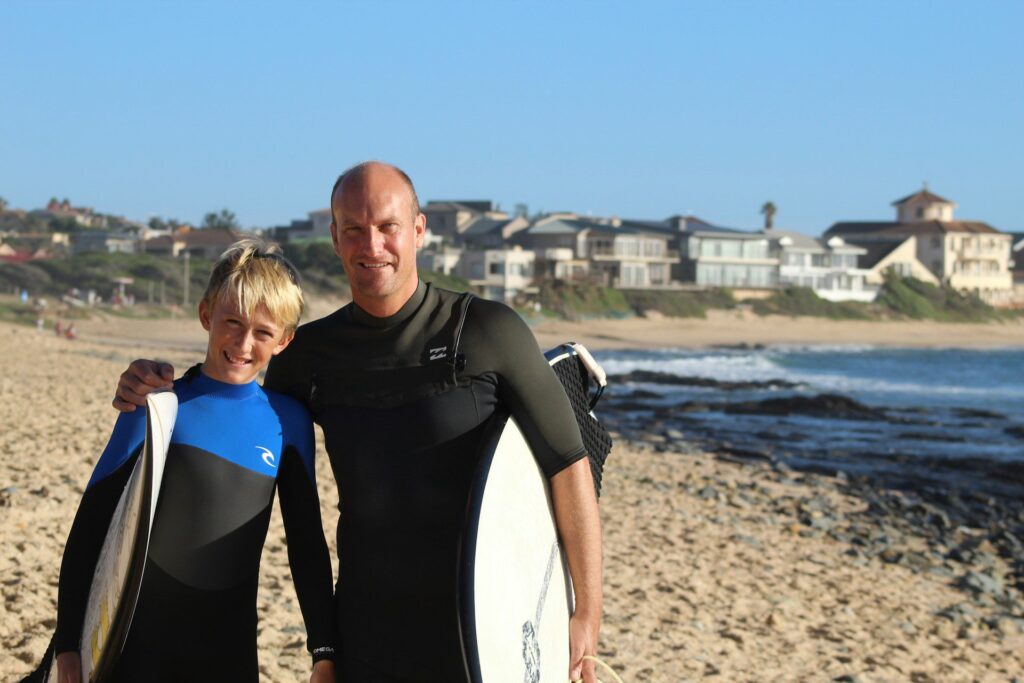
922 195
915 228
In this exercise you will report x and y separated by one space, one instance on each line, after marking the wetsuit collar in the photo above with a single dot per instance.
207 385
363 318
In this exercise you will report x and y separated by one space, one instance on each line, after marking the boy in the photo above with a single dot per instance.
233 444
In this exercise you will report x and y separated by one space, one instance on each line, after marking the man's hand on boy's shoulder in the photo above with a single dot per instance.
142 377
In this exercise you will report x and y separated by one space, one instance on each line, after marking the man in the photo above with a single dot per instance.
402 382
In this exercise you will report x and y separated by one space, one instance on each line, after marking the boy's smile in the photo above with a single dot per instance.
239 346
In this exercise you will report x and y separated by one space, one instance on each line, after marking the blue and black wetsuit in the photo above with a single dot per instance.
232 446
404 403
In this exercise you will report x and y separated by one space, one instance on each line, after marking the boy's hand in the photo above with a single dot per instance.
69 668
323 672
142 377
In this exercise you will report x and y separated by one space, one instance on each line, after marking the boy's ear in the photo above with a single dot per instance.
285 341
204 314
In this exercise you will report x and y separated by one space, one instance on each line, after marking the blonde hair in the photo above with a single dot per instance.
256 273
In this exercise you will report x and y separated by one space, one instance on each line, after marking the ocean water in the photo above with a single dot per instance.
952 410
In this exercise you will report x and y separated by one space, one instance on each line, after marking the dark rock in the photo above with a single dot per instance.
982 584
1016 431
831 406
654 377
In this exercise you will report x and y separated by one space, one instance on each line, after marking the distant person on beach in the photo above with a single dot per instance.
233 445
404 381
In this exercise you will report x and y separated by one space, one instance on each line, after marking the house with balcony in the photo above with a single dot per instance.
829 267
616 254
498 274
715 256
970 256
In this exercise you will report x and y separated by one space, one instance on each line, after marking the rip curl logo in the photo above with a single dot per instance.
438 352
268 456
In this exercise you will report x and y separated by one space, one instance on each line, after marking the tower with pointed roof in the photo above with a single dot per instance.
923 206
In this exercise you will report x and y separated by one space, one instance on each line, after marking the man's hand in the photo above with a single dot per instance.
582 641
142 377
323 672
69 668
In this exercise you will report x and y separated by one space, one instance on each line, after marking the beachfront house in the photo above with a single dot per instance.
897 255
201 243
616 254
827 266
714 256
450 219
498 274
316 226
1017 266
105 241
969 256
438 258
486 232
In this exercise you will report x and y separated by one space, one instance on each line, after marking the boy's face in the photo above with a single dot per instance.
240 346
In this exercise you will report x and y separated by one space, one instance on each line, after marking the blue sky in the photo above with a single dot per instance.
641 109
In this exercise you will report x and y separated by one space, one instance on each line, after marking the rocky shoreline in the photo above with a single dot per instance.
970 538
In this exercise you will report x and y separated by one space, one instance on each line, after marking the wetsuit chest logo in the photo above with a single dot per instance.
438 352
268 456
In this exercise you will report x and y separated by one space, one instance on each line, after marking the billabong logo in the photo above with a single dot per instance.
267 456
438 352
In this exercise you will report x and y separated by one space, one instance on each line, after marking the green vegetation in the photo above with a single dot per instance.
796 301
320 267
578 301
54 277
919 300
450 282
675 304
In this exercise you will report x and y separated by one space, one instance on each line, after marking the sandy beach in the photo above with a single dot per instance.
714 570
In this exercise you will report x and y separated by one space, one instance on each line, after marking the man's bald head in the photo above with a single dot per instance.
358 174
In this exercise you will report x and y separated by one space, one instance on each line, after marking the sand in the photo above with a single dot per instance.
724 588
719 328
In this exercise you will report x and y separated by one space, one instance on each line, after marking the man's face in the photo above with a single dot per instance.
239 345
376 234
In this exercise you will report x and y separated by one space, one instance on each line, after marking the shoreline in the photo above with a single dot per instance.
719 329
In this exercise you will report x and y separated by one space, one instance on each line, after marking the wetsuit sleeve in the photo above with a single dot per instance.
496 339
308 555
90 527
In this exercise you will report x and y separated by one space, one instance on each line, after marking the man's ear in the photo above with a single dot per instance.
204 314
421 229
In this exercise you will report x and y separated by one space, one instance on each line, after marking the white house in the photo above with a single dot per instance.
829 267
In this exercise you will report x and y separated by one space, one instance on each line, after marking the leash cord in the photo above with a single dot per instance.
610 670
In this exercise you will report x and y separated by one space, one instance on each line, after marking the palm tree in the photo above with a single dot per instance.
768 209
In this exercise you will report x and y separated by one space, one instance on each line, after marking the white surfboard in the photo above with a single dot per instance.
118 575
515 592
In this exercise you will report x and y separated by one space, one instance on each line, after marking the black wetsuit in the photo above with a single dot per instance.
403 402
232 446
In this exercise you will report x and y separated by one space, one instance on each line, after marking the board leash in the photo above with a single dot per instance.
610 670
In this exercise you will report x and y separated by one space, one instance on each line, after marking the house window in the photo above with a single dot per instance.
920 212
936 243
496 268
